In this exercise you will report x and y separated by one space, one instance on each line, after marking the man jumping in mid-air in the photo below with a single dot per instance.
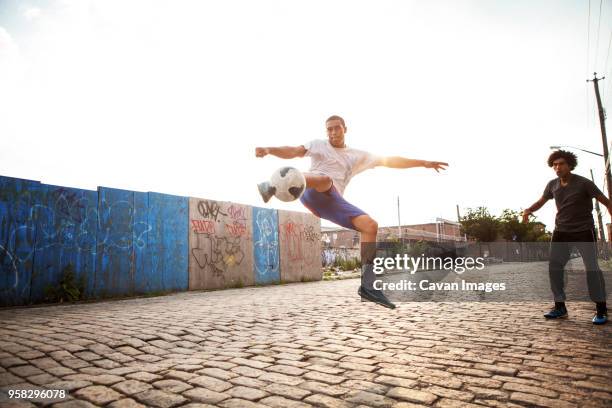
333 164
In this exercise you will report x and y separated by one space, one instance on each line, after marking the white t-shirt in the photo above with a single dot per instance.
341 164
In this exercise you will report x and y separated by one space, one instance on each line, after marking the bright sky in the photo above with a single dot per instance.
173 96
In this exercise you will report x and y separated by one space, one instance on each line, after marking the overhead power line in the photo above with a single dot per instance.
609 71
588 67
598 29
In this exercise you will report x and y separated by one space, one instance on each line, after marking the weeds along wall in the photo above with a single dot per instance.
112 243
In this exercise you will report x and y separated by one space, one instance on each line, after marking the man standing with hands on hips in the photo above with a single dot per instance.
574 227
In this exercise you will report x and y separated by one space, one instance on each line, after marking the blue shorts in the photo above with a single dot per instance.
331 206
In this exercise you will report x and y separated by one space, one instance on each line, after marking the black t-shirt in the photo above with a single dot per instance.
574 203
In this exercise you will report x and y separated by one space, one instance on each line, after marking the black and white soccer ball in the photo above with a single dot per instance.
287 184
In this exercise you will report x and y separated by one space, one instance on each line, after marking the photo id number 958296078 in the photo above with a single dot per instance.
36 394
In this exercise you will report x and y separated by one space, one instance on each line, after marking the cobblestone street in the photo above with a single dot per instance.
308 344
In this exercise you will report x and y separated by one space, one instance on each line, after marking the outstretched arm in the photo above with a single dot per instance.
397 162
605 201
535 207
284 152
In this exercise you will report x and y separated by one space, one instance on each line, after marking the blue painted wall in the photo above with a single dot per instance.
147 278
115 258
66 225
169 240
265 244
18 198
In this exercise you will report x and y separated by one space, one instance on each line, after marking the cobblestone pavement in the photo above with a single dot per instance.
300 345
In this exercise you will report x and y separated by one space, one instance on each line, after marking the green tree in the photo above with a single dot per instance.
418 248
511 227
537 232
479 224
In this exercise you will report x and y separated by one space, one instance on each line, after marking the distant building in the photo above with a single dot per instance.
441 230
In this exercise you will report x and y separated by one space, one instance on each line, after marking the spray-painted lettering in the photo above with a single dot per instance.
203 226
237 213
210 209
236 229
297 236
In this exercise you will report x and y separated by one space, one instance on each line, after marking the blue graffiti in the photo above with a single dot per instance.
62 229
44 229
117 238
265 241
8 263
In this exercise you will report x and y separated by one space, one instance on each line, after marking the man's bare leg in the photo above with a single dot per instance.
318 182
368 229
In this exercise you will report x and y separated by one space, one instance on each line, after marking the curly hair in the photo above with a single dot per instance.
569 157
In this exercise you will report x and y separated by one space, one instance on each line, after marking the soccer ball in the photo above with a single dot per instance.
286 184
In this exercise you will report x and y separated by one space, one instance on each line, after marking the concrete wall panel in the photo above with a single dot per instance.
300 246
220 244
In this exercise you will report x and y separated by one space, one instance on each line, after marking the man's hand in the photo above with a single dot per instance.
526 214
437 166
261 151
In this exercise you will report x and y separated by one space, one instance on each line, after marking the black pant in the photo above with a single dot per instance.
560 249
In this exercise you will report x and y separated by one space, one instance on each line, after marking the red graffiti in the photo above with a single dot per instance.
290 228
203 226
297 236
305 232
237 213
236 229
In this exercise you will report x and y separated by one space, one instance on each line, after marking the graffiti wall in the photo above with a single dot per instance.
167 257
114 261
265 245
300 246
18 201
330 255
121 243
142 243
220 244
66 234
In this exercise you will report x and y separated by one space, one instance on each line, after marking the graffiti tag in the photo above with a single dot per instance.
210 209
203 226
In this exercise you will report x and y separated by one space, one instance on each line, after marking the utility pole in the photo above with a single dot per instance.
602 125
602 235
399 223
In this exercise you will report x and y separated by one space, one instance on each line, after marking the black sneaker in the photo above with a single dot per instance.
376 296
601 317
556 313
266 191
